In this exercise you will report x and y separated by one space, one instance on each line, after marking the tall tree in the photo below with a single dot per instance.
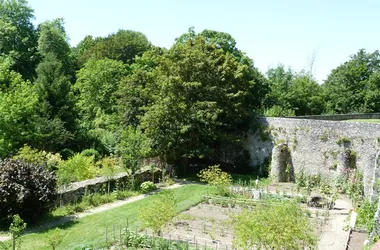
53 81
349 86
202 97
18 37
292 93
123 46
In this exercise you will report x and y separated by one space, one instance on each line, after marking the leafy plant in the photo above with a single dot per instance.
215 177
283 225
147 187
342 140
366 215
25 189
15 229
36 157
91 153
55 239
158 214
76 168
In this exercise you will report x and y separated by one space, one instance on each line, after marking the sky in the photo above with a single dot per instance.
271 32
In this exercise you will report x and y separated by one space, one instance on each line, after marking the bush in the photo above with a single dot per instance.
91 153
158 214
76 168
366 215
147 186
280 225
25 189
214 176
36 157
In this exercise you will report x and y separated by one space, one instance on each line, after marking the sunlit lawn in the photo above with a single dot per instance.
90 230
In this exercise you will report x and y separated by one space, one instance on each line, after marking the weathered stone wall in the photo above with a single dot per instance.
75 191
319 146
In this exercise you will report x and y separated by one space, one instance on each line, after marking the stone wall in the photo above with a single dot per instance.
339 117
75 191
320 146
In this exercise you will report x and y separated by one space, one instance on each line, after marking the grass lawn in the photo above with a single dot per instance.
90 230
364 120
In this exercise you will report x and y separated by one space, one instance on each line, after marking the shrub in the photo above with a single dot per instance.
91 153
158 214
36 157
281 225
25 189
214 176
147 186
76 168
366 215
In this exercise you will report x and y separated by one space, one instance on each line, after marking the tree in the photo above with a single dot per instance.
202 97
97 84
348 88
282 225
124 46
292 93
53 85
18 37
158 214
18 108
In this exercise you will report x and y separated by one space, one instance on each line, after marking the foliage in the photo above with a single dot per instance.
147 187
76 168
200 97
90 152
55 239
353 86
15 229
160 212
134 146
292 94
366 215
278 111
284 225
18 36
36 157
25 189
214 176
123 46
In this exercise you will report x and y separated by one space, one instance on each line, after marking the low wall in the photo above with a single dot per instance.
339 117
319 146
75 191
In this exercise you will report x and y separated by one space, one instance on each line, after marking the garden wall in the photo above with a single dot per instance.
75 191
339 117
317 146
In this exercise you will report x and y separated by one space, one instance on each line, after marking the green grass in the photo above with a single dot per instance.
90 230
364 120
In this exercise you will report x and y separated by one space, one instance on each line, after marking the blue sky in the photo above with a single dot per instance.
270 32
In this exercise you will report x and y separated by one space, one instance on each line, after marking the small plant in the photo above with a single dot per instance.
15 229
342 140
147 187
366 215
54 239
76 168
157 215
325 136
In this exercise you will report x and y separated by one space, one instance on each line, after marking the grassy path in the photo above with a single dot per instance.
90 229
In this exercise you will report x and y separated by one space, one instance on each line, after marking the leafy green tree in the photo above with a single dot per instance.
18 36
282 225
161 212
348 88
133 148
53 85
202 97
18 107
292 93
97 84
123 46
